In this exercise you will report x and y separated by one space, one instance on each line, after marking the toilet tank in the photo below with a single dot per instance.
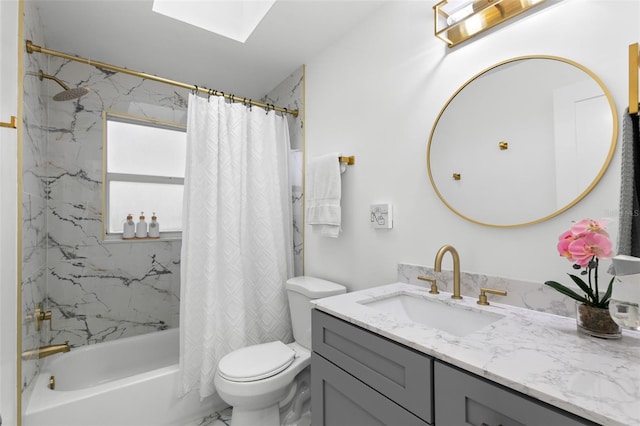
301 290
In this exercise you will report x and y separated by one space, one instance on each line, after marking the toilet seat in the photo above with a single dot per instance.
256 362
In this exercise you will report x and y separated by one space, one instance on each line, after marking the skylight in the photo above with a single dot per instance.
234 19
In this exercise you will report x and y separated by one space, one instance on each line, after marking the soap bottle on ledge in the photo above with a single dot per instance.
154 227
141 227
129 228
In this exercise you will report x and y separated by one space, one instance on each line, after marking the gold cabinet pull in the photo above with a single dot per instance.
456 176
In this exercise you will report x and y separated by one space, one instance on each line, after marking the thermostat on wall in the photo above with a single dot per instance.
381 216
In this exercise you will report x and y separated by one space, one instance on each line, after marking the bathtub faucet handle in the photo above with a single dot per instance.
39 316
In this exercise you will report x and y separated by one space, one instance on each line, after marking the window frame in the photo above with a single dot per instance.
107 177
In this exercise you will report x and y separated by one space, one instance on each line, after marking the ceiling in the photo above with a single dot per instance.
128 34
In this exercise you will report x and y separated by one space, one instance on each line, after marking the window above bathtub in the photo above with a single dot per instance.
144 165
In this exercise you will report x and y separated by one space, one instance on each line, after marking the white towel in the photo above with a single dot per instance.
323 195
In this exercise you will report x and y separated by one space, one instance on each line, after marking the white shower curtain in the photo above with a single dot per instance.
237 235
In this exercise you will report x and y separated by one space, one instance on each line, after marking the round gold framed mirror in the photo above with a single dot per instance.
522 141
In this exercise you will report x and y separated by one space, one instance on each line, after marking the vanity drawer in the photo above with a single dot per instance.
397 372
462 398
339 399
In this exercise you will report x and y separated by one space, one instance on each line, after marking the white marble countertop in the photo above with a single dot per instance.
537 354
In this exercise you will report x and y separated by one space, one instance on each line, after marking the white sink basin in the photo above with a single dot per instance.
451 318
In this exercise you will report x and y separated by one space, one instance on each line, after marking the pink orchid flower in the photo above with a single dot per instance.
588 245
564 240
590 225
586 239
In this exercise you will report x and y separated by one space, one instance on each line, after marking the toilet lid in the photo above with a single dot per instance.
256 362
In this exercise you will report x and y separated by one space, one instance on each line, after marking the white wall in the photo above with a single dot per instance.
8 202
376 94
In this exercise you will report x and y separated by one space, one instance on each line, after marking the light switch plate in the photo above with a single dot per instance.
381 216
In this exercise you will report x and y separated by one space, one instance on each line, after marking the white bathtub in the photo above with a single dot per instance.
126 382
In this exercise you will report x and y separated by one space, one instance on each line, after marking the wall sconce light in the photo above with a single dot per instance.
458 20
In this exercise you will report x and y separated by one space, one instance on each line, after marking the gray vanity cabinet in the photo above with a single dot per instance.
360 378
465 399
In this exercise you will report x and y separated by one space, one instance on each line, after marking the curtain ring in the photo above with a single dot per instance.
194 91
209 96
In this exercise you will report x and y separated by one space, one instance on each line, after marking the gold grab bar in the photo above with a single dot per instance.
12 124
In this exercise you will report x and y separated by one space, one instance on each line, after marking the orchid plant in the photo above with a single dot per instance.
584 245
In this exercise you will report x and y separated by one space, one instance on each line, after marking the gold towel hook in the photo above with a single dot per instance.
11 124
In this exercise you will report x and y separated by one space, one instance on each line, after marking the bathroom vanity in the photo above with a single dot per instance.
377 359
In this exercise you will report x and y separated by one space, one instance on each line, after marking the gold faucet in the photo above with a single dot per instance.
482 298
456 267
45 351
40 316
432 281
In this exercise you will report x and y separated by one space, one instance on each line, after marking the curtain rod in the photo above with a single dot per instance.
35 48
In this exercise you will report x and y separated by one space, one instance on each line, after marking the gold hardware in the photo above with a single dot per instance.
633 78
349 160
52 382
455 25
42 76
12 124
434 286
482 298
503 145
39 49
456 176
456 267
45 351
39 316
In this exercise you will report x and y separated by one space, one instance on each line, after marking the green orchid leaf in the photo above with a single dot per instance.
567 291
583 286
607 295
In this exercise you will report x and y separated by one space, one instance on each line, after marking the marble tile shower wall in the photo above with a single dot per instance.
99 290
34 197
288 94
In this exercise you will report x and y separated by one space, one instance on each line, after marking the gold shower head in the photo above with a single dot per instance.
68 94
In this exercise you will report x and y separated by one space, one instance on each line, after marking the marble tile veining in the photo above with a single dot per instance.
219 418
523 294
288 94
538 354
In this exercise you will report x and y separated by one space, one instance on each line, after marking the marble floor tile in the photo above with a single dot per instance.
219 418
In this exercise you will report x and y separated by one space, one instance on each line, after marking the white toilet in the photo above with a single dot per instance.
268 384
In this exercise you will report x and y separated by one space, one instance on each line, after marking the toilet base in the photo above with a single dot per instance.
269 416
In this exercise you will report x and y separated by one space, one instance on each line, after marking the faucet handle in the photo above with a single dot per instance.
482 298
434 286
39 315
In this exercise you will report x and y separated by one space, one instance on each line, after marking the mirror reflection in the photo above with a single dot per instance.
522 141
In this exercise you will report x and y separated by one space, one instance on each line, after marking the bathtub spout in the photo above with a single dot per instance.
45 351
